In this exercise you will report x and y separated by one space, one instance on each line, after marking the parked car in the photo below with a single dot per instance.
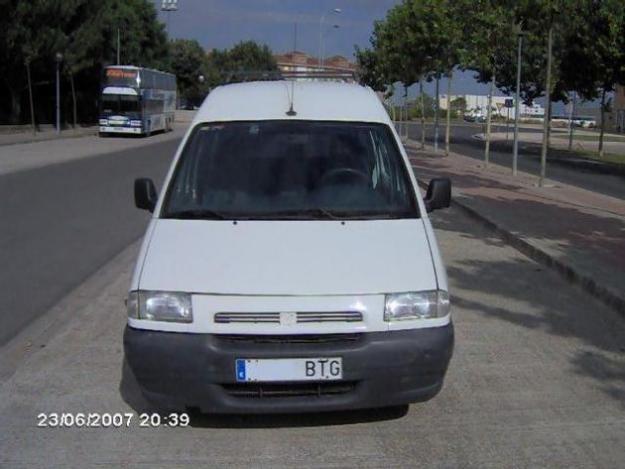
289 264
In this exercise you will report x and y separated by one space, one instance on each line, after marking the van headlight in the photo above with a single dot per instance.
160 306
135 123
416 305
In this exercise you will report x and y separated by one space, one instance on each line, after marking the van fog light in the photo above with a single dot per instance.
160 306
417 305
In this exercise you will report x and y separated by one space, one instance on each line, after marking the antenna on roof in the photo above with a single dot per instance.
291 111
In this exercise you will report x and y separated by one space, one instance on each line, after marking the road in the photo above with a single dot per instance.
60 223
536 381
462 141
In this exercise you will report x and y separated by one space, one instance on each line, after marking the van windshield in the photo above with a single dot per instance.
290 170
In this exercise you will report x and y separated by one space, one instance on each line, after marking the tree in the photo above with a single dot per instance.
369 69
594 62
32 35
459 104
490 37
188 61
85 32
419 40
246 56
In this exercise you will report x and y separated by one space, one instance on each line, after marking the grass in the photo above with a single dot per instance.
607 157
591 138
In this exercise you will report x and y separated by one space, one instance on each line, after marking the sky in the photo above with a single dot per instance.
222 23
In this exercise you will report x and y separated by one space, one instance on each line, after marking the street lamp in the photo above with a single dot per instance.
517 111
321 38
58 59
168 6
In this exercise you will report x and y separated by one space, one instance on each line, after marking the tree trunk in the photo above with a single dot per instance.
422 114
16 106
448 126
30 97
71 81
406 112
547 119
571 117
602 130
436 110
489 113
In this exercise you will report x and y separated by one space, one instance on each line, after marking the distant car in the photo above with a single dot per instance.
289 264
469 118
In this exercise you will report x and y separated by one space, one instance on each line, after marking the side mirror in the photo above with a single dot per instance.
145 194
438 194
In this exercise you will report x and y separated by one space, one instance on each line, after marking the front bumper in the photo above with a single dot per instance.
120 130
380 369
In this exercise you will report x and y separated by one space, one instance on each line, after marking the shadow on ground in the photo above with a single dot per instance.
548 304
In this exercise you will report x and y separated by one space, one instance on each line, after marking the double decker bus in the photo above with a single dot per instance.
136 100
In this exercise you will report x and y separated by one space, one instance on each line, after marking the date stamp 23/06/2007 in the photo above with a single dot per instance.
110 420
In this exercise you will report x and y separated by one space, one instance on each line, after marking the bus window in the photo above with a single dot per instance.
129 104
110 103
114 104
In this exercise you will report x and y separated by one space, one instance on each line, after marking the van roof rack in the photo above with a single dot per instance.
260 75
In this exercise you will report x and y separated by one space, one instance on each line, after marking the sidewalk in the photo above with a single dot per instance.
47 132
579 233
27 136
38 154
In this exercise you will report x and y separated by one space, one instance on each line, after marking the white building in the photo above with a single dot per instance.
478 105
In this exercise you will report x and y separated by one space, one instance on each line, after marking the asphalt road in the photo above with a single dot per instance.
536 381
462 141
60 223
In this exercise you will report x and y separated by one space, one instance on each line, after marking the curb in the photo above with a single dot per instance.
570 274
587 283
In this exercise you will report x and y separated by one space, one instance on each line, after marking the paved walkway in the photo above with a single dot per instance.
47 132
13 138
33 155
579 232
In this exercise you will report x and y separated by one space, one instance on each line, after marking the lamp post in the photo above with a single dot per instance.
515 145
58 59
168 6
321 39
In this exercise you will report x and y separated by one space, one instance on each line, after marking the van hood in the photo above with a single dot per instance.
288 257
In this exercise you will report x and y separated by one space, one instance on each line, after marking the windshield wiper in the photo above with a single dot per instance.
196 214
306 213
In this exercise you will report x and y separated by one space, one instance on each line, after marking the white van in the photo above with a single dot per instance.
289 264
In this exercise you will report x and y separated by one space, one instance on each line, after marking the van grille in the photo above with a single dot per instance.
264 390
302 317
225 318
292 339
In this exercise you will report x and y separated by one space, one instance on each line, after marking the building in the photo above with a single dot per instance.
297 61
478 105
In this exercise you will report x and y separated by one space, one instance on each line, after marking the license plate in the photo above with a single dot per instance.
289 369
